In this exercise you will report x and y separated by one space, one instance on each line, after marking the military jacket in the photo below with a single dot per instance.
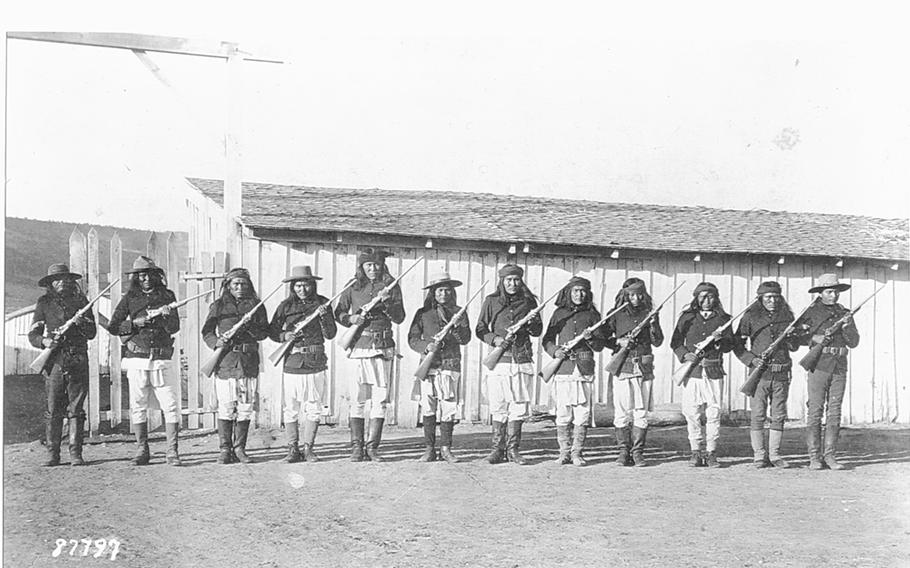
241 358
51 312
377 332
565 325
500 312
818 319
153 339
307 354
761 328
427 323
691 329
623 323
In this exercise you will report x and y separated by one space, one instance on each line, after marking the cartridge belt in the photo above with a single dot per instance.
837 351
379 334
308 349
581 355
711 363
641 359
246 348
779 367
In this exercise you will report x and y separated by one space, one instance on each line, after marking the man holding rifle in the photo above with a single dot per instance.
66 372
762 325
374 346
237 370
831 326
510 380
575 314
305 363
632 398
703 392
440 390
148 345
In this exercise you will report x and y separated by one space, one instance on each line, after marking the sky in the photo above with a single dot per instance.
666 104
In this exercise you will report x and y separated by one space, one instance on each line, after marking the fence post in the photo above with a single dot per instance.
173 279
94 374
114 363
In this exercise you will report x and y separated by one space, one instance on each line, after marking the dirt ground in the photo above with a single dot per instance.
405 513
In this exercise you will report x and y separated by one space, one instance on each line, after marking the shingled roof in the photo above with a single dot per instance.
536 220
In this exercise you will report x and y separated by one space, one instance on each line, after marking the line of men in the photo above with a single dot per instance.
146 321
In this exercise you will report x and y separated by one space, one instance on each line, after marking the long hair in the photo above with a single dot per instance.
694 306
76 290
564 299
523 290
623 294
362 279
758 308
292 295
226 287
155 276
429 300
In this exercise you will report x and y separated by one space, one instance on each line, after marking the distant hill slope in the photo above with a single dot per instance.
31 246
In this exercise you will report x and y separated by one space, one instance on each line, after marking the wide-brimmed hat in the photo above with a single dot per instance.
441 278
826 281
769 287
301 273
144 264
55 272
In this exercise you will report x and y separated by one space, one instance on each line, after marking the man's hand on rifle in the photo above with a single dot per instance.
164 310
323 310
690 356
758 361
560 353
717 333
140 321
497 341
384 295
358 319
587 334
432 346
624 342
819 338
220 342
48 342
288 336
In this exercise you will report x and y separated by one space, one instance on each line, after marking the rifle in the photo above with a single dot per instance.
209 367
755 374
346 341
424 368
495 354
280 353
155 312
619 358
548 370
45 355
681 376
810 360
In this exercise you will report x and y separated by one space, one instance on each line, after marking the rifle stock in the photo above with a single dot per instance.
282 350
614 365
495 354
41 360
209 367
548 370
810 359
424 368
751 383
681 376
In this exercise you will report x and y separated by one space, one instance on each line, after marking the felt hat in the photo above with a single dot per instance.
144 264
301 273
826 281
441 278
56 272
768 287
511 270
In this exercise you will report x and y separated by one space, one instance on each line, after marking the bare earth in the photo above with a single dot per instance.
404 513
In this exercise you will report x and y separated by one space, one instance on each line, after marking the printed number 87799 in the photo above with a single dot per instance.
101 546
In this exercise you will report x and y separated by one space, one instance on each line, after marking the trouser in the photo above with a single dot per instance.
372 384
304 394
632 400
162 384
825 388
573 402
236 398
769 394
439 395
508 389
702 397
66 389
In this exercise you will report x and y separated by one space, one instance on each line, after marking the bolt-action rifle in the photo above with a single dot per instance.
280 353
424 368
495 354
548 370
681 376
758 370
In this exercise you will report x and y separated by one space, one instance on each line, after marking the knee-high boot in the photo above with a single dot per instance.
53 437
446 430
498 453
241 431
639 435
357 427
225 441
172 456
578 444
832 432
564 441
429 439
513 442
309 440
77 434
624 440
814 446
292 435
775 437
142 456
375 438
759 458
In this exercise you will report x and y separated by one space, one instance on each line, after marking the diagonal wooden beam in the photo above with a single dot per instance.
163 44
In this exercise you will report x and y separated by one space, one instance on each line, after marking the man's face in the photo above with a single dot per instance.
578 294
511 284
707 300
145 280
239 287
304 288
829 296
636 298
771 301
443 294
373 270
63 285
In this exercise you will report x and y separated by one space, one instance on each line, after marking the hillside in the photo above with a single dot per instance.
31 246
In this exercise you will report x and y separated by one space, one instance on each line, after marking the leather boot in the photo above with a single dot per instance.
142 444
429 438
225 441
77 434
814 446
774 440
710 459
372 445
309 440
498 453
565 444
53 438
624 441
578 444
832 432
241 431
172 456
357 426
513 442
638 446
292 437
445 450
759 459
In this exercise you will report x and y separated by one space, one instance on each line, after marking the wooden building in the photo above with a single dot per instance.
472 235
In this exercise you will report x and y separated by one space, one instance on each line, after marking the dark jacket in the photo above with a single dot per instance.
377 333
430 321
691 329
761 328
623 323
819 318
154 338
500 311
52 311
291 311
241 358
565 325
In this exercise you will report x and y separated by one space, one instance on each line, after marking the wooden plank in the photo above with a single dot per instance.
324 266
346 369
116 376
210 263
272 269
660 283
153 248
882 307
491 265
862 380
171 259
402 410
900 338
688 273
458 266
93 278
555 273
795 277
473 277
192 338
78 258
